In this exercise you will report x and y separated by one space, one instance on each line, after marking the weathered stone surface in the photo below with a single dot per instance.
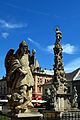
27 116
20 79
59 80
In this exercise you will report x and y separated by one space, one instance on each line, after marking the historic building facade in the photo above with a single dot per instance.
40 78
3 88
43 81
73 79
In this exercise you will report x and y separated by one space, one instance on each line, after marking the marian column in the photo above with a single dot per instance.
59 88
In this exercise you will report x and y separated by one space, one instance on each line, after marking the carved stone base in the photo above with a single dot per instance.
51 114
27 116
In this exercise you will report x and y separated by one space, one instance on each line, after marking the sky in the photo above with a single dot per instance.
35 22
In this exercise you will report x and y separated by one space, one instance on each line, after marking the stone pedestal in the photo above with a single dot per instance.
60 103
51 114
27 116
32 115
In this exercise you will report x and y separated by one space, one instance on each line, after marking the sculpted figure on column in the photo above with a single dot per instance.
21 78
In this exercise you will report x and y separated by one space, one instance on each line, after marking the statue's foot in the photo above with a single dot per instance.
26 105
18 107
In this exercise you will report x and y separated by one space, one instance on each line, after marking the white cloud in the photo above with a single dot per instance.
40 47
50 48
67 48
5 35
35 43
30 40
26 9
72 65
9 25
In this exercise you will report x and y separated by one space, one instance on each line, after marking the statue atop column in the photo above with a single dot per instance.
59 79
20 78
59 74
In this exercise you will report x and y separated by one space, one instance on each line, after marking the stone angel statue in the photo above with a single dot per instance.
19 74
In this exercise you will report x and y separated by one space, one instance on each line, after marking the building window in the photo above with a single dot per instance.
68 89
0 90
39 81
39 89
45 80
33 89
